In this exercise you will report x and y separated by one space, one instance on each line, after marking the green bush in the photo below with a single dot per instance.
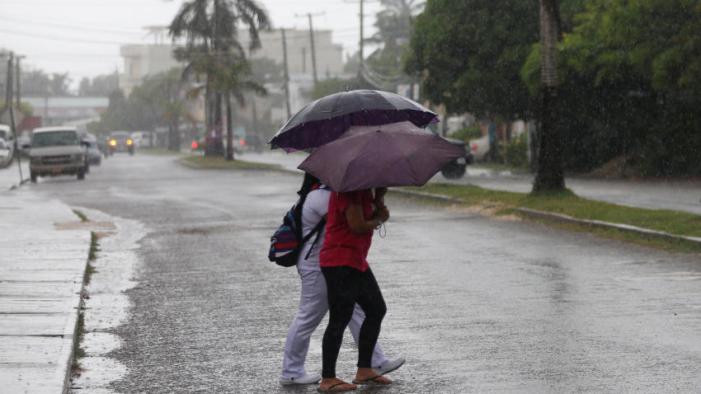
516 151
467 133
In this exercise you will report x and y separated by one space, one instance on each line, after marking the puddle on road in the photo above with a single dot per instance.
108 305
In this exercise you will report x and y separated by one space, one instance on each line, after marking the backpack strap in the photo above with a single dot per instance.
317 230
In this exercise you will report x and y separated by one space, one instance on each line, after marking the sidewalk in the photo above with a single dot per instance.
41 277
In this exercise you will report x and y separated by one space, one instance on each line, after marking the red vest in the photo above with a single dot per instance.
341 246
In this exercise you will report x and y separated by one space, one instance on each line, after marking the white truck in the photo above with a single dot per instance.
57 151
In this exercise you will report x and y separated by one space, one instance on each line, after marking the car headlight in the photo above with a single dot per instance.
130 142
36 160
113 142
78 157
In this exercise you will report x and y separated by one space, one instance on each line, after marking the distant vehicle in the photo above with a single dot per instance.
480 147
254 142
57 151
24 141
93 151
7 146
142 139
120 141
8 151
456 168
5 153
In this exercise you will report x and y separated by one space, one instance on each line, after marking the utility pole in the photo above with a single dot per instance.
18 78
8 83
8 106
116 78
360 43
361 55
309 16
304 60
286 87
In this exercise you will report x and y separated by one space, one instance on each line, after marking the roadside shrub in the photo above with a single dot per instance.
467 133
516 151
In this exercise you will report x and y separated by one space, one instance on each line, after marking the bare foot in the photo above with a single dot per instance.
335 385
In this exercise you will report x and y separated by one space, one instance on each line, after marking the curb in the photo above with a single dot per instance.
193 166
567 219
601 224
75 337
545 215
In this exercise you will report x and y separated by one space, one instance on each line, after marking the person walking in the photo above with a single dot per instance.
352 219
313 303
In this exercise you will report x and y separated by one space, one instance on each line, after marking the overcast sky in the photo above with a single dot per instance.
82 37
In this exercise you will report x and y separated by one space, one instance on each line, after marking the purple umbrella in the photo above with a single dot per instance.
398 154
327 118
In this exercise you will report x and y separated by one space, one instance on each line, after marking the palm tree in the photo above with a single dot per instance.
210 32
235 78
549 170
394 25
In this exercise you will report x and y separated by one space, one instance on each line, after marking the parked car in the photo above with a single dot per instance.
57 151
456 168
480 147
120 141
7 146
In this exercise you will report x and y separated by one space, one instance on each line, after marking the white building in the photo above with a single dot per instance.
329 56
141 61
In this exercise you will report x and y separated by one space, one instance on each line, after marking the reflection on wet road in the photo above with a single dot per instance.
474 304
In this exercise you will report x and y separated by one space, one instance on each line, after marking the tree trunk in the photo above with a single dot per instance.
218 143
229 130
209 121
173 143
550 174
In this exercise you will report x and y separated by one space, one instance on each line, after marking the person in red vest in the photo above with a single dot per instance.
352 219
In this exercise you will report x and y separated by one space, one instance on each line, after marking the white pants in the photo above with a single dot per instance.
313 305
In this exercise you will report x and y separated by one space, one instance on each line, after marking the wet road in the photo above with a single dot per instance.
474 304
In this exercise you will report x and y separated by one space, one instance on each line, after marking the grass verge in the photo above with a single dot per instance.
78 351
567 203
219 163
81 215
92 255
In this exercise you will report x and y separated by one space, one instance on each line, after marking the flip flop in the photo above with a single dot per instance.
372 381
336 388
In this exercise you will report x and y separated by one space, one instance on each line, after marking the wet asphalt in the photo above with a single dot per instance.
474 304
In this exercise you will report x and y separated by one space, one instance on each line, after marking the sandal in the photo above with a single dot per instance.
338 387
377 380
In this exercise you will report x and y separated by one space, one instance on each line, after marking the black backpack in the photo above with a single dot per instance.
287 241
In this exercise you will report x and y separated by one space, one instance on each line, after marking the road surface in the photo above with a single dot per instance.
474 304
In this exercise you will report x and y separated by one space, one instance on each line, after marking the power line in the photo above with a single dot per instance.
64 39
70 27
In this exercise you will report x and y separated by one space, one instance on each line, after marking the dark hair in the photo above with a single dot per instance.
308 183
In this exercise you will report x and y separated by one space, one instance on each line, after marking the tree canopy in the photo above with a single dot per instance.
629 73
470 53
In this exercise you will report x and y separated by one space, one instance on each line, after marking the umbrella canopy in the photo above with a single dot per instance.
390 155
327 118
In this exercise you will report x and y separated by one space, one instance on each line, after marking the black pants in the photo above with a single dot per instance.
347 286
